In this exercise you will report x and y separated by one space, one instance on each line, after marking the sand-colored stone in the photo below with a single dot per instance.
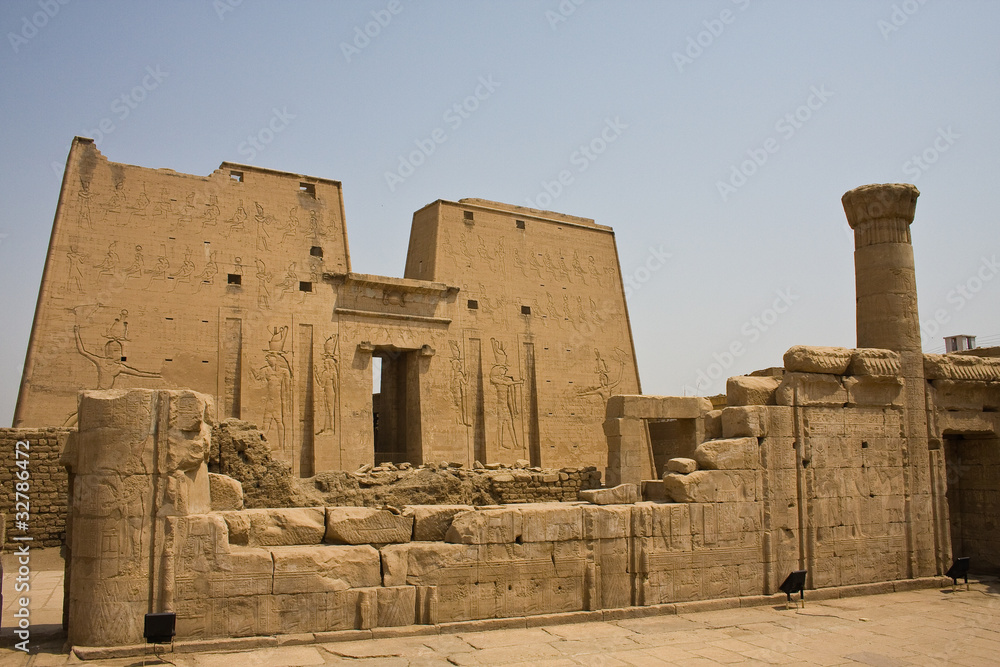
622 494
226 492
728 454
808 359
747 390
431 522
366 525
276 527
325 568
682 465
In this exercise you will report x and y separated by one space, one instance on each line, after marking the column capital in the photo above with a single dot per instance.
880 201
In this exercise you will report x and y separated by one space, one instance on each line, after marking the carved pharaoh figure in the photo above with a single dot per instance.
506 388
328 378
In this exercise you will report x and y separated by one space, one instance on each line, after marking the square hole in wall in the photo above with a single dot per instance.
305 286
467 216
316 251
308 189
519 223
473 304
235 279
526 310
236 176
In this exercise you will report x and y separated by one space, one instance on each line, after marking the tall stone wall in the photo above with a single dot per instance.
46 484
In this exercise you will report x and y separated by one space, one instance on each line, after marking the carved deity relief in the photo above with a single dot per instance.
186 271
290 282
262 222
237 223
109 266
212 212
459 383
506 388
164 206
606 384
263 279
158 273
276 375
316 228
578 268
136 268
110 360
327 373
292 226
74 278
186 214
137 209
116 204
83 204
207 276
594 271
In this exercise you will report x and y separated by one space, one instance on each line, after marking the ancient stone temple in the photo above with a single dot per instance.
509 323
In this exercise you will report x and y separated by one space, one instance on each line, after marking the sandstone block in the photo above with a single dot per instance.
809 359
653 491
366 525
731 454
486 526
713 424
551 522
873 361
276 527
429 564
682 465
623 494
325 568
961 367
226 493
747 390
657 407
812 389
742 421
711 486
875 390
966 395
431 522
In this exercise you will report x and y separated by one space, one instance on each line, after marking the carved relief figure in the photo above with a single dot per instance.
207 276
159 272
506 388
605 384
328 378
315 226
109 367
459 382
163 206
262 222
290 282
263 278
136 268
276 375
237 223
292 226
83 203
115 205
184 273
212 212
187 210
74 280
110 263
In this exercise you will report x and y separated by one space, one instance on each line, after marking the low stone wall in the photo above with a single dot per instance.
46 483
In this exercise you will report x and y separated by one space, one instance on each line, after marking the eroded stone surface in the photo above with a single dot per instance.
809 359
226 493
682 465
623 494
365 525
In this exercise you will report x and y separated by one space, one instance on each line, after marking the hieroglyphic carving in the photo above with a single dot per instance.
292 226
212 212
110 362
83 204
136 268
263 278
159 272
276 374
237 223
115 205
74 278
137 209
262 222
605 384
186 271
164 205
459 383
290 283
109 266
207 276
328 378
506 388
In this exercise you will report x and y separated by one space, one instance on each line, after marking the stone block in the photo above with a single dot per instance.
431 522
396 606
711 486
965 394
278 527
624 427
713 424
809 359
657 407
961 367
623 494
682 465
607 521
729 454
742 421
653 491
747 390
874 390
429 564
226 493
874 362
486 526
811 389
325 568
366 525
551 522
968 422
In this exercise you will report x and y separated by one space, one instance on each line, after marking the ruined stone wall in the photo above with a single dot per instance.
46 494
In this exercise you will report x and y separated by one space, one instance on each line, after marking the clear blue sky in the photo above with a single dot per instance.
668 97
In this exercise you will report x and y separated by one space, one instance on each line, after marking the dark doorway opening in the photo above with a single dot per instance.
671 439
973 474
396 406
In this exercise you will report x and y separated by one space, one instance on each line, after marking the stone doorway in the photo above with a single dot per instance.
973 474
396 408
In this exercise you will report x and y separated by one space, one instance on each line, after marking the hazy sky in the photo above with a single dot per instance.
715 137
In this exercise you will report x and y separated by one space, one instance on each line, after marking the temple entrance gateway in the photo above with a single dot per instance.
973 465
396 408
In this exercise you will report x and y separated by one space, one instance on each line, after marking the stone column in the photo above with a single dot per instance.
139 456
887 318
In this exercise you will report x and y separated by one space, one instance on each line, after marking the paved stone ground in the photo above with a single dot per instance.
922 627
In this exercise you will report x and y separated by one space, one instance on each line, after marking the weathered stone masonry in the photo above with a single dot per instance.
46 485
